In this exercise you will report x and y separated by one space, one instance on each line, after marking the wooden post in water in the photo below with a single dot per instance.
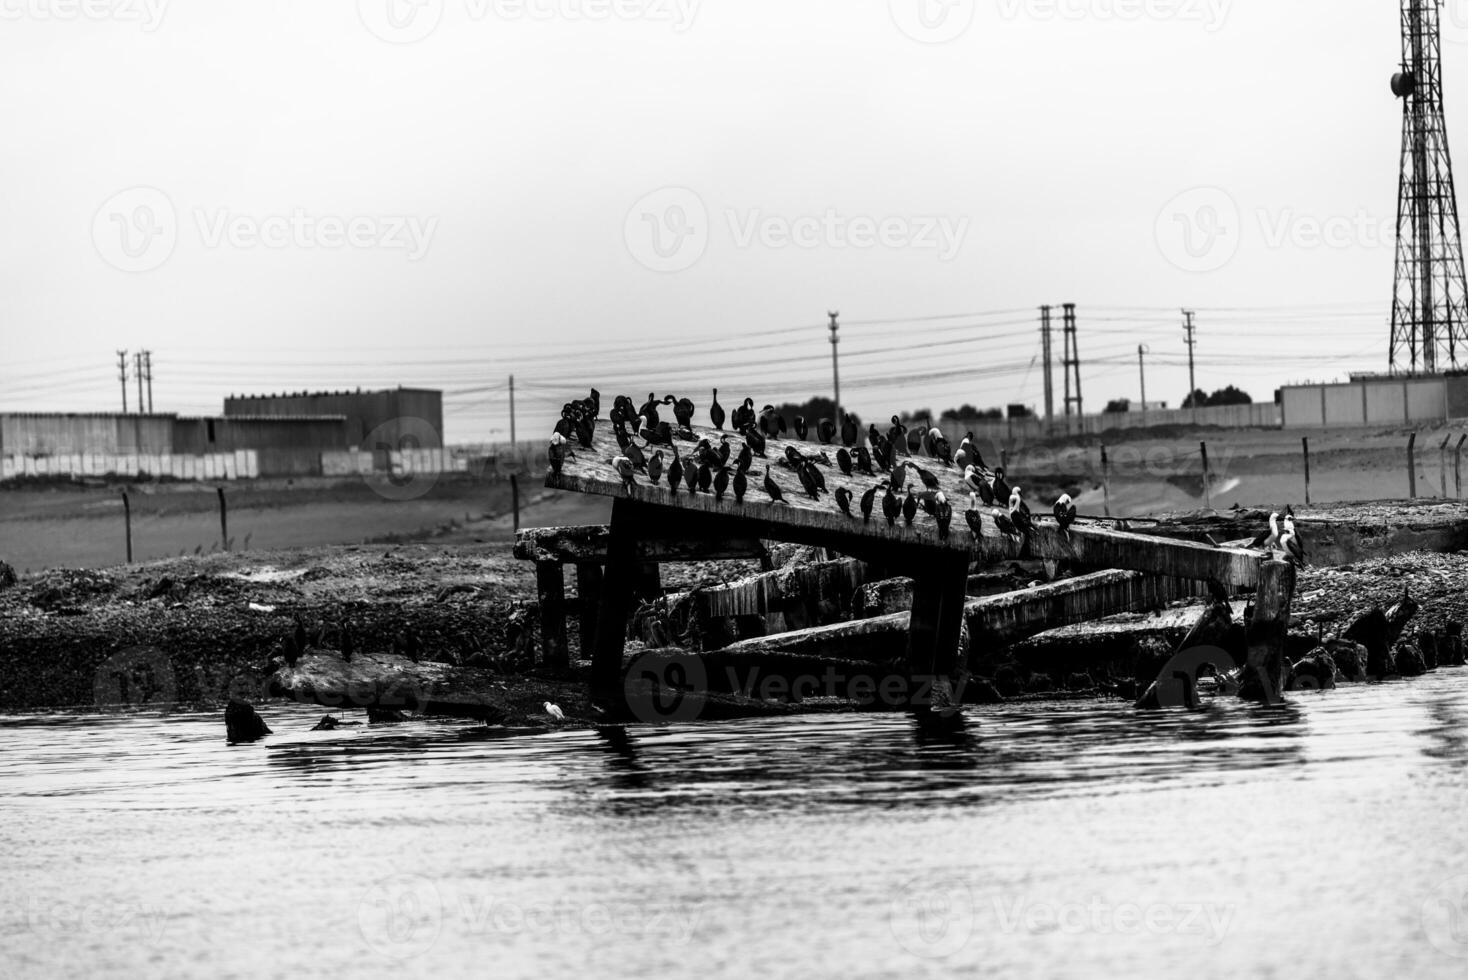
1106 480
1412 466
1305 442
1264 676
515 498
223 520
127 524
1207 491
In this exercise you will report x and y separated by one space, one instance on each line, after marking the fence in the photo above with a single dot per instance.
240 464
1011 430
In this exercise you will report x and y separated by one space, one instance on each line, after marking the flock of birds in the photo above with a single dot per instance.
648 449
648 445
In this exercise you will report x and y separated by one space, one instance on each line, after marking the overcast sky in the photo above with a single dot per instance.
671 194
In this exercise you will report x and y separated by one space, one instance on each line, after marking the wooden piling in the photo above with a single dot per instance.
1207 490
550 587
223 519
1264 676
1412 466
588 591
515 499
1458 468
1106 481
127 524
1305 442
1442 459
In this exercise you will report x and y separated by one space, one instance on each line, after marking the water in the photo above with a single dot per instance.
1326 840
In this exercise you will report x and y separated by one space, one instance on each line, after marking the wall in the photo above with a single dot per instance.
1375 401
192 435
386 417
52 433
242 464
1231 416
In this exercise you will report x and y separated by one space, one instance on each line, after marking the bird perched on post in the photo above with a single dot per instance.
559 450
1290 543
754 440
843 460
1268 540
975 522
939 447
943 514
968 453
909 507
849 432
801 428
1065 513
863 460
843 500
743 415
772 489
745 459
624 469
716 412
1019 513
675 472
721 483
890 506
897 435
741 484
1001 488
635 456
655 468
976 483
683 411
826 431
868 502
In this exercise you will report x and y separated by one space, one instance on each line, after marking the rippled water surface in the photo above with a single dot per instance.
1325 840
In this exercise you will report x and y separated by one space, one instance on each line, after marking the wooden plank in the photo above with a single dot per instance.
616 603
588 595
588 544
767 592
994 620
1089 547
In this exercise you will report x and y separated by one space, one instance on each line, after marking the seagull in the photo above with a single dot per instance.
1268 540
554 710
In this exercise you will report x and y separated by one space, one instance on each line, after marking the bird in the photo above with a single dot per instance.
897 435
716 412
1005 525
624 469
705 477
771 422
868 500
849 432
690 477
683 411
801 428
558 452
826 431
943 514
1001 488
843 460
649 409
1268 540
675 472
843 500
554 710
939 447
721 482
634 453
968 453
754 440
899 476
743 415
1065 512
1019 513
890 507
724 450
1290 543
807 480
930 480
816 476
655 468
741 484
773 489
975 522
745 459
909 507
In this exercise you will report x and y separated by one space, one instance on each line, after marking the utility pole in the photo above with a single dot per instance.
1142 368
835 368
1045 343
138 373
1191 342
148 366
122 377
1072 359
514 446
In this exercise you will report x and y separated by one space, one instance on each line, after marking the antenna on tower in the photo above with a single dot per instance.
1428 305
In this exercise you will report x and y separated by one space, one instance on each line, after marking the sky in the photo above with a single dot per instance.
672 195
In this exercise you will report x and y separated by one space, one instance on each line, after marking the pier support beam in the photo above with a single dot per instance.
1264 677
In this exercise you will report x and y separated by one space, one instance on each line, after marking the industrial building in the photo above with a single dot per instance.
321 434
1374 400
